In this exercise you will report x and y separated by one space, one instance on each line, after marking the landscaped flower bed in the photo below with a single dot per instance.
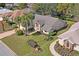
64 51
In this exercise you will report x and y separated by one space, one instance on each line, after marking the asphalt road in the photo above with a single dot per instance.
5 50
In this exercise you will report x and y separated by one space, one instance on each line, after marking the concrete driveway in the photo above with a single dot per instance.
52 50
5 50
5 34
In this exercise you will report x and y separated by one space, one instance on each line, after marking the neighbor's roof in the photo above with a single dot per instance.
17 13
4 10
72 34
50 23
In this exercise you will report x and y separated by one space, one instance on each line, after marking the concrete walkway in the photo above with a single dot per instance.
32 32
5 34
52 49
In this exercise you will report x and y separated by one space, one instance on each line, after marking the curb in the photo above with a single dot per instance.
51 47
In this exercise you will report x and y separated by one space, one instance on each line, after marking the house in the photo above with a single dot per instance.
11 5
5 12
76 18
70 39
16 13
48 24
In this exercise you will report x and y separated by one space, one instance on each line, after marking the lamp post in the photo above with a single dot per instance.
1 21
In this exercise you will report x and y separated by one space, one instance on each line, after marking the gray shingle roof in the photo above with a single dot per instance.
49 23
72 34
4 10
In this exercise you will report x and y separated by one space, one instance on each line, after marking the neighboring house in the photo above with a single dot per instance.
48 24
16 13
10 5
27 10
5 12
76 18
70 39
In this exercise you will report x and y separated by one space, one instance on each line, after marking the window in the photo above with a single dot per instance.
37 25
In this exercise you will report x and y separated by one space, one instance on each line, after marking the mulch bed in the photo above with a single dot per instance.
64 51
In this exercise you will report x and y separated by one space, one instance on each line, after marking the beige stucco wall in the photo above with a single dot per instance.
21 27
76 48
61 42
37 28
45 32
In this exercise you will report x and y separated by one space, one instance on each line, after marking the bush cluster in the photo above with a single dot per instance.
19 32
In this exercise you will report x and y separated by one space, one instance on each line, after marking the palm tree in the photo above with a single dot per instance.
18 21
25 21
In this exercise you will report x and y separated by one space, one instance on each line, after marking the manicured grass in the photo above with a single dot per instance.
19 44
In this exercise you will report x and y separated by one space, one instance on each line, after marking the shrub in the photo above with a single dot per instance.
14 26
19 32
52 33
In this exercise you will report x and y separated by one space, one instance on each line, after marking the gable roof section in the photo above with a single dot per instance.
72 34
50 23
17 13
4 10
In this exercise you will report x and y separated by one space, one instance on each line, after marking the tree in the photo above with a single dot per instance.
43 9
51 35
2 23
64 10
22 5
18 21
26 20
2 4
3 28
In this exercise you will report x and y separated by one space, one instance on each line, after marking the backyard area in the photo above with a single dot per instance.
20 46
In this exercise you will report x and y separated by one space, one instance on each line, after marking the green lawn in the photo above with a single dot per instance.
19 43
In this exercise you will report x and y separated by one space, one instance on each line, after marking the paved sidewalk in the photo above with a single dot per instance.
5 50
32 32
5 34
52 49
